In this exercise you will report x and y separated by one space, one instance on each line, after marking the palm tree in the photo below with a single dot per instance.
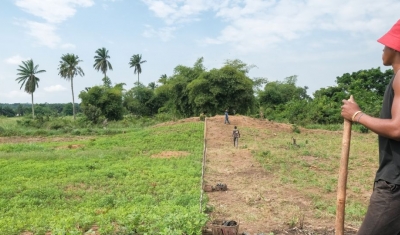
101 61
152 85
27 75
136 61
68 70
163 79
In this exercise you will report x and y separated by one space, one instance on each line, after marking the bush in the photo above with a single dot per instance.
164 117
57 124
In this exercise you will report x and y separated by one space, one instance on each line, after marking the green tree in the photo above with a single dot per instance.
107 82
68 69
68 109
20 110
326 105
178 102
152 85
101 101
136 61
163 79
276 95
27 76
140 101
277 92
101 62
6 111
367 87
214 91
240 65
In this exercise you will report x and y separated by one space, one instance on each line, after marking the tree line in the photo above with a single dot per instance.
45 109
68 69
194 90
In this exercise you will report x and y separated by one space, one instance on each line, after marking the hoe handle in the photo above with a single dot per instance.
342 182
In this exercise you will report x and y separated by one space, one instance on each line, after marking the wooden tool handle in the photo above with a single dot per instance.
342 182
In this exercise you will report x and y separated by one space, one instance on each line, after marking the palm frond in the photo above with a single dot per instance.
27 76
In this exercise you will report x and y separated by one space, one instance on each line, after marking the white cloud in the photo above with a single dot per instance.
53 11
257 26
44 33
251 25
178 11
164 34
68 46
15 60
55 88
15 94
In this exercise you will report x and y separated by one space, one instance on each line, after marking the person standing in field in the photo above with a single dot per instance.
236 136
383 214
226 117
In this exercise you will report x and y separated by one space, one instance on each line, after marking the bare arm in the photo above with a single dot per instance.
389 128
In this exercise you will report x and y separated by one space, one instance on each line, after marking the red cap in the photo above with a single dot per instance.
392 38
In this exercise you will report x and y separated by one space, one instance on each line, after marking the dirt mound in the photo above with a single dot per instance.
191 119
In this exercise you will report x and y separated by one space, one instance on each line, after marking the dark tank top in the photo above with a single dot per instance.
389 149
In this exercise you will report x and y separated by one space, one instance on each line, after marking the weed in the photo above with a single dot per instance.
208 209
295 129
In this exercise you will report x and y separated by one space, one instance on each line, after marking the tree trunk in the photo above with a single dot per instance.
73 98
138 78
33 109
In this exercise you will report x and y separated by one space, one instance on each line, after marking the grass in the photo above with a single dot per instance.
113 182
53 126
312 168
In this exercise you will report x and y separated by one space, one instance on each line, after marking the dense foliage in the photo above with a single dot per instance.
195 91
100 101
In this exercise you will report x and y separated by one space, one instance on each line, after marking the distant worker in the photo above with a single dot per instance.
236 136
226 117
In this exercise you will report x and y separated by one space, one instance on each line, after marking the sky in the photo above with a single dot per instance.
317 40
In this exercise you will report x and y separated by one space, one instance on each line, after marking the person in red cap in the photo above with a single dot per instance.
383 214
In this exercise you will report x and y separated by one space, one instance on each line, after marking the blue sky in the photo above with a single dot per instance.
317 40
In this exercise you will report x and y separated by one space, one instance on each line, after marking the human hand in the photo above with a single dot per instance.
349 108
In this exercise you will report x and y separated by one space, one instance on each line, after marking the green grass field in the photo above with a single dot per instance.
114 181
109 181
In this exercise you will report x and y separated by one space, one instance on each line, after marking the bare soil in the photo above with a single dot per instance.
256 199
170 154
25 139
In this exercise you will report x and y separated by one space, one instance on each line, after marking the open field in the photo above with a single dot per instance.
137 182
148 179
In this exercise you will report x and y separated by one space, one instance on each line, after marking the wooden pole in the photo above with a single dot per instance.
342 182
203 165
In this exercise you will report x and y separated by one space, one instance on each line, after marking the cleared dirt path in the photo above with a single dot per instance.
255 198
